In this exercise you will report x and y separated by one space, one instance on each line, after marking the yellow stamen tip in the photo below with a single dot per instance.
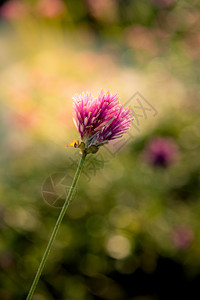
73 143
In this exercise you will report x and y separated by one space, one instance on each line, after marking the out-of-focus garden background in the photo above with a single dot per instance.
132 231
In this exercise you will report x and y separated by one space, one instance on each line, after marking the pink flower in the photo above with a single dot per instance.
50 8
13 10
99 120
182 237
161 151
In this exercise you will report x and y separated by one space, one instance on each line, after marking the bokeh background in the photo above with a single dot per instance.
132 231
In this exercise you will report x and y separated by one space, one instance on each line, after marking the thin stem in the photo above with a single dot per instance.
56 228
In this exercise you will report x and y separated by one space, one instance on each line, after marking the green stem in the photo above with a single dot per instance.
56 228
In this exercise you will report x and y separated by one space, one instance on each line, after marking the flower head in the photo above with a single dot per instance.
14 10
182 237
99 120
161 151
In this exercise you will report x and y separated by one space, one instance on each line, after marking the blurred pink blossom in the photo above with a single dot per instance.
161 151
104 10
141 38
24 119
50 8
13 10
182 237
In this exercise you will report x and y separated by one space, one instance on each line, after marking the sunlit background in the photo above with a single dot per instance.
132 231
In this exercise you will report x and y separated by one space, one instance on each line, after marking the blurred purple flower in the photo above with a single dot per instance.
182 237
99 120
161 151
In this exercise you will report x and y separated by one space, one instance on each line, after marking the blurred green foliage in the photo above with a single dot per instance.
127 212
